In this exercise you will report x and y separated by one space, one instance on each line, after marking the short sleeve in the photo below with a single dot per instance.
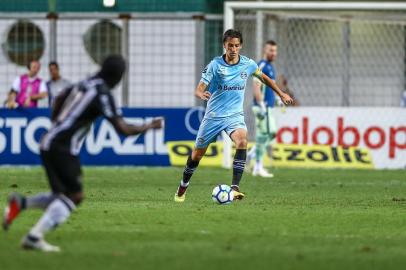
43 87
108 107
253 69
207 73
16 84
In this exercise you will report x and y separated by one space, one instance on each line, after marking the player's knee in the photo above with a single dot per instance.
241 143
196 156
198 153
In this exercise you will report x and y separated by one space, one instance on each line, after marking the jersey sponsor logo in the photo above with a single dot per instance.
233 88
244 75
230 88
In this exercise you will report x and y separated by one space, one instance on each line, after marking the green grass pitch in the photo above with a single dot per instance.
301 219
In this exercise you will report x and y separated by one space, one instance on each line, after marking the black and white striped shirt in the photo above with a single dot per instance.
81 105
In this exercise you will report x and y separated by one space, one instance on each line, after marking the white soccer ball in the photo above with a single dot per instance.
222 194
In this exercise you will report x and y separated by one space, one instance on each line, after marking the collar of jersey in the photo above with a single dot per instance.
224 60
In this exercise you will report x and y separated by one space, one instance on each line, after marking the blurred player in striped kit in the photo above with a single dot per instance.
264 101
74 110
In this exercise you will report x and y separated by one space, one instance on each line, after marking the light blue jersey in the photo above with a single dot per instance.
227 85
224 110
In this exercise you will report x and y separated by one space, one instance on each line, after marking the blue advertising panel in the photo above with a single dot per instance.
21 131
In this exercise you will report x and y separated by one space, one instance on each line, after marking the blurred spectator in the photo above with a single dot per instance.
56 84
283 85
27 89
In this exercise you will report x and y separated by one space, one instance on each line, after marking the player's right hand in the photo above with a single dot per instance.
205 95
157 123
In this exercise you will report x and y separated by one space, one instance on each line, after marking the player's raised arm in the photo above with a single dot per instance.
113 115
272 84
120 125
201 91
126 129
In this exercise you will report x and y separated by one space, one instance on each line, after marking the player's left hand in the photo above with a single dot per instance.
286 99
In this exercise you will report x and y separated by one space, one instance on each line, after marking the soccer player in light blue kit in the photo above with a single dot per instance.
223 85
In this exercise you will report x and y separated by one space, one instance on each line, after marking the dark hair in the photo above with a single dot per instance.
231 33
112 70
271 42
29 63
53 63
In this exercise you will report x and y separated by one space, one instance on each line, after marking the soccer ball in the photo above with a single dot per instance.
222 194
